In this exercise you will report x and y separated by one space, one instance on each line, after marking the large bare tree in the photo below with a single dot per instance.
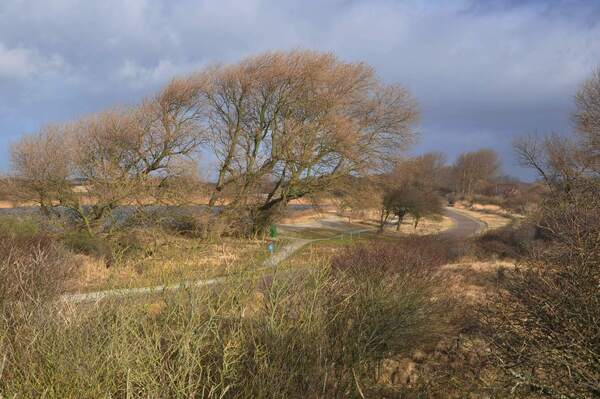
281 126
303 120
473 170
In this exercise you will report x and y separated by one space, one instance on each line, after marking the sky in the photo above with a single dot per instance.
483 72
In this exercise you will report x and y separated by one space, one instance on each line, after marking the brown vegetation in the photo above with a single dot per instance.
281 126
400 317
320 334
412 188
473 170
544 324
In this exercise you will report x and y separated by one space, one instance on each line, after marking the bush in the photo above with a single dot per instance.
411 255
194 222
186 225
322 333
511 241
33 268
546 326
95 245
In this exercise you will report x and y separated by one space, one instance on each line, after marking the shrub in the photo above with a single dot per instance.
194 222
185 225
315 334
546 326
95 245
33 268
512 241
411 255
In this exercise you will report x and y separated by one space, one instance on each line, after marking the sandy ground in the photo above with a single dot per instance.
325 221
369 218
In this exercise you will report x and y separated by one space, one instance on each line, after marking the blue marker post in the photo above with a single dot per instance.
270 248
273 237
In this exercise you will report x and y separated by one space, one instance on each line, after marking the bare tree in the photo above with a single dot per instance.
358 196
561 161
558 160
413 188
122 156
40 167
587 118
411 200
473 170
304 119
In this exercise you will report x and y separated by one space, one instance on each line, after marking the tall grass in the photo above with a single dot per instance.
321 333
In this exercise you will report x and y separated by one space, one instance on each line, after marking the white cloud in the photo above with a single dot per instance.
16 63
24 63
138 75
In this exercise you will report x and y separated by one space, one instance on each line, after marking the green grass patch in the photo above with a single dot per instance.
19 227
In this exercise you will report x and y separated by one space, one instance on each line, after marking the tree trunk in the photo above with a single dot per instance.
400 218
265 215
383 219
45 209
213 198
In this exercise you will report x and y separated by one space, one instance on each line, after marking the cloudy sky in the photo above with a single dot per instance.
483 71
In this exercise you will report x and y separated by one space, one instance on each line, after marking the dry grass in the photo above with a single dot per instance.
318 334
426 226
379 325
171 259
459 364
472 282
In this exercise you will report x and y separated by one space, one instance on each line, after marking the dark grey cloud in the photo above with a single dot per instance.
482 71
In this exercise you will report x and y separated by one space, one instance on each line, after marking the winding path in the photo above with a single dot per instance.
464 226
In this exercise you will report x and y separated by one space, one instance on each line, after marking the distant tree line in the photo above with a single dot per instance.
421 186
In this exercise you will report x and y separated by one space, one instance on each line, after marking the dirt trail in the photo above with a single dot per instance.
293 245
464 226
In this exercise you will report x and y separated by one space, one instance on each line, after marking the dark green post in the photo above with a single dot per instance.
273 231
